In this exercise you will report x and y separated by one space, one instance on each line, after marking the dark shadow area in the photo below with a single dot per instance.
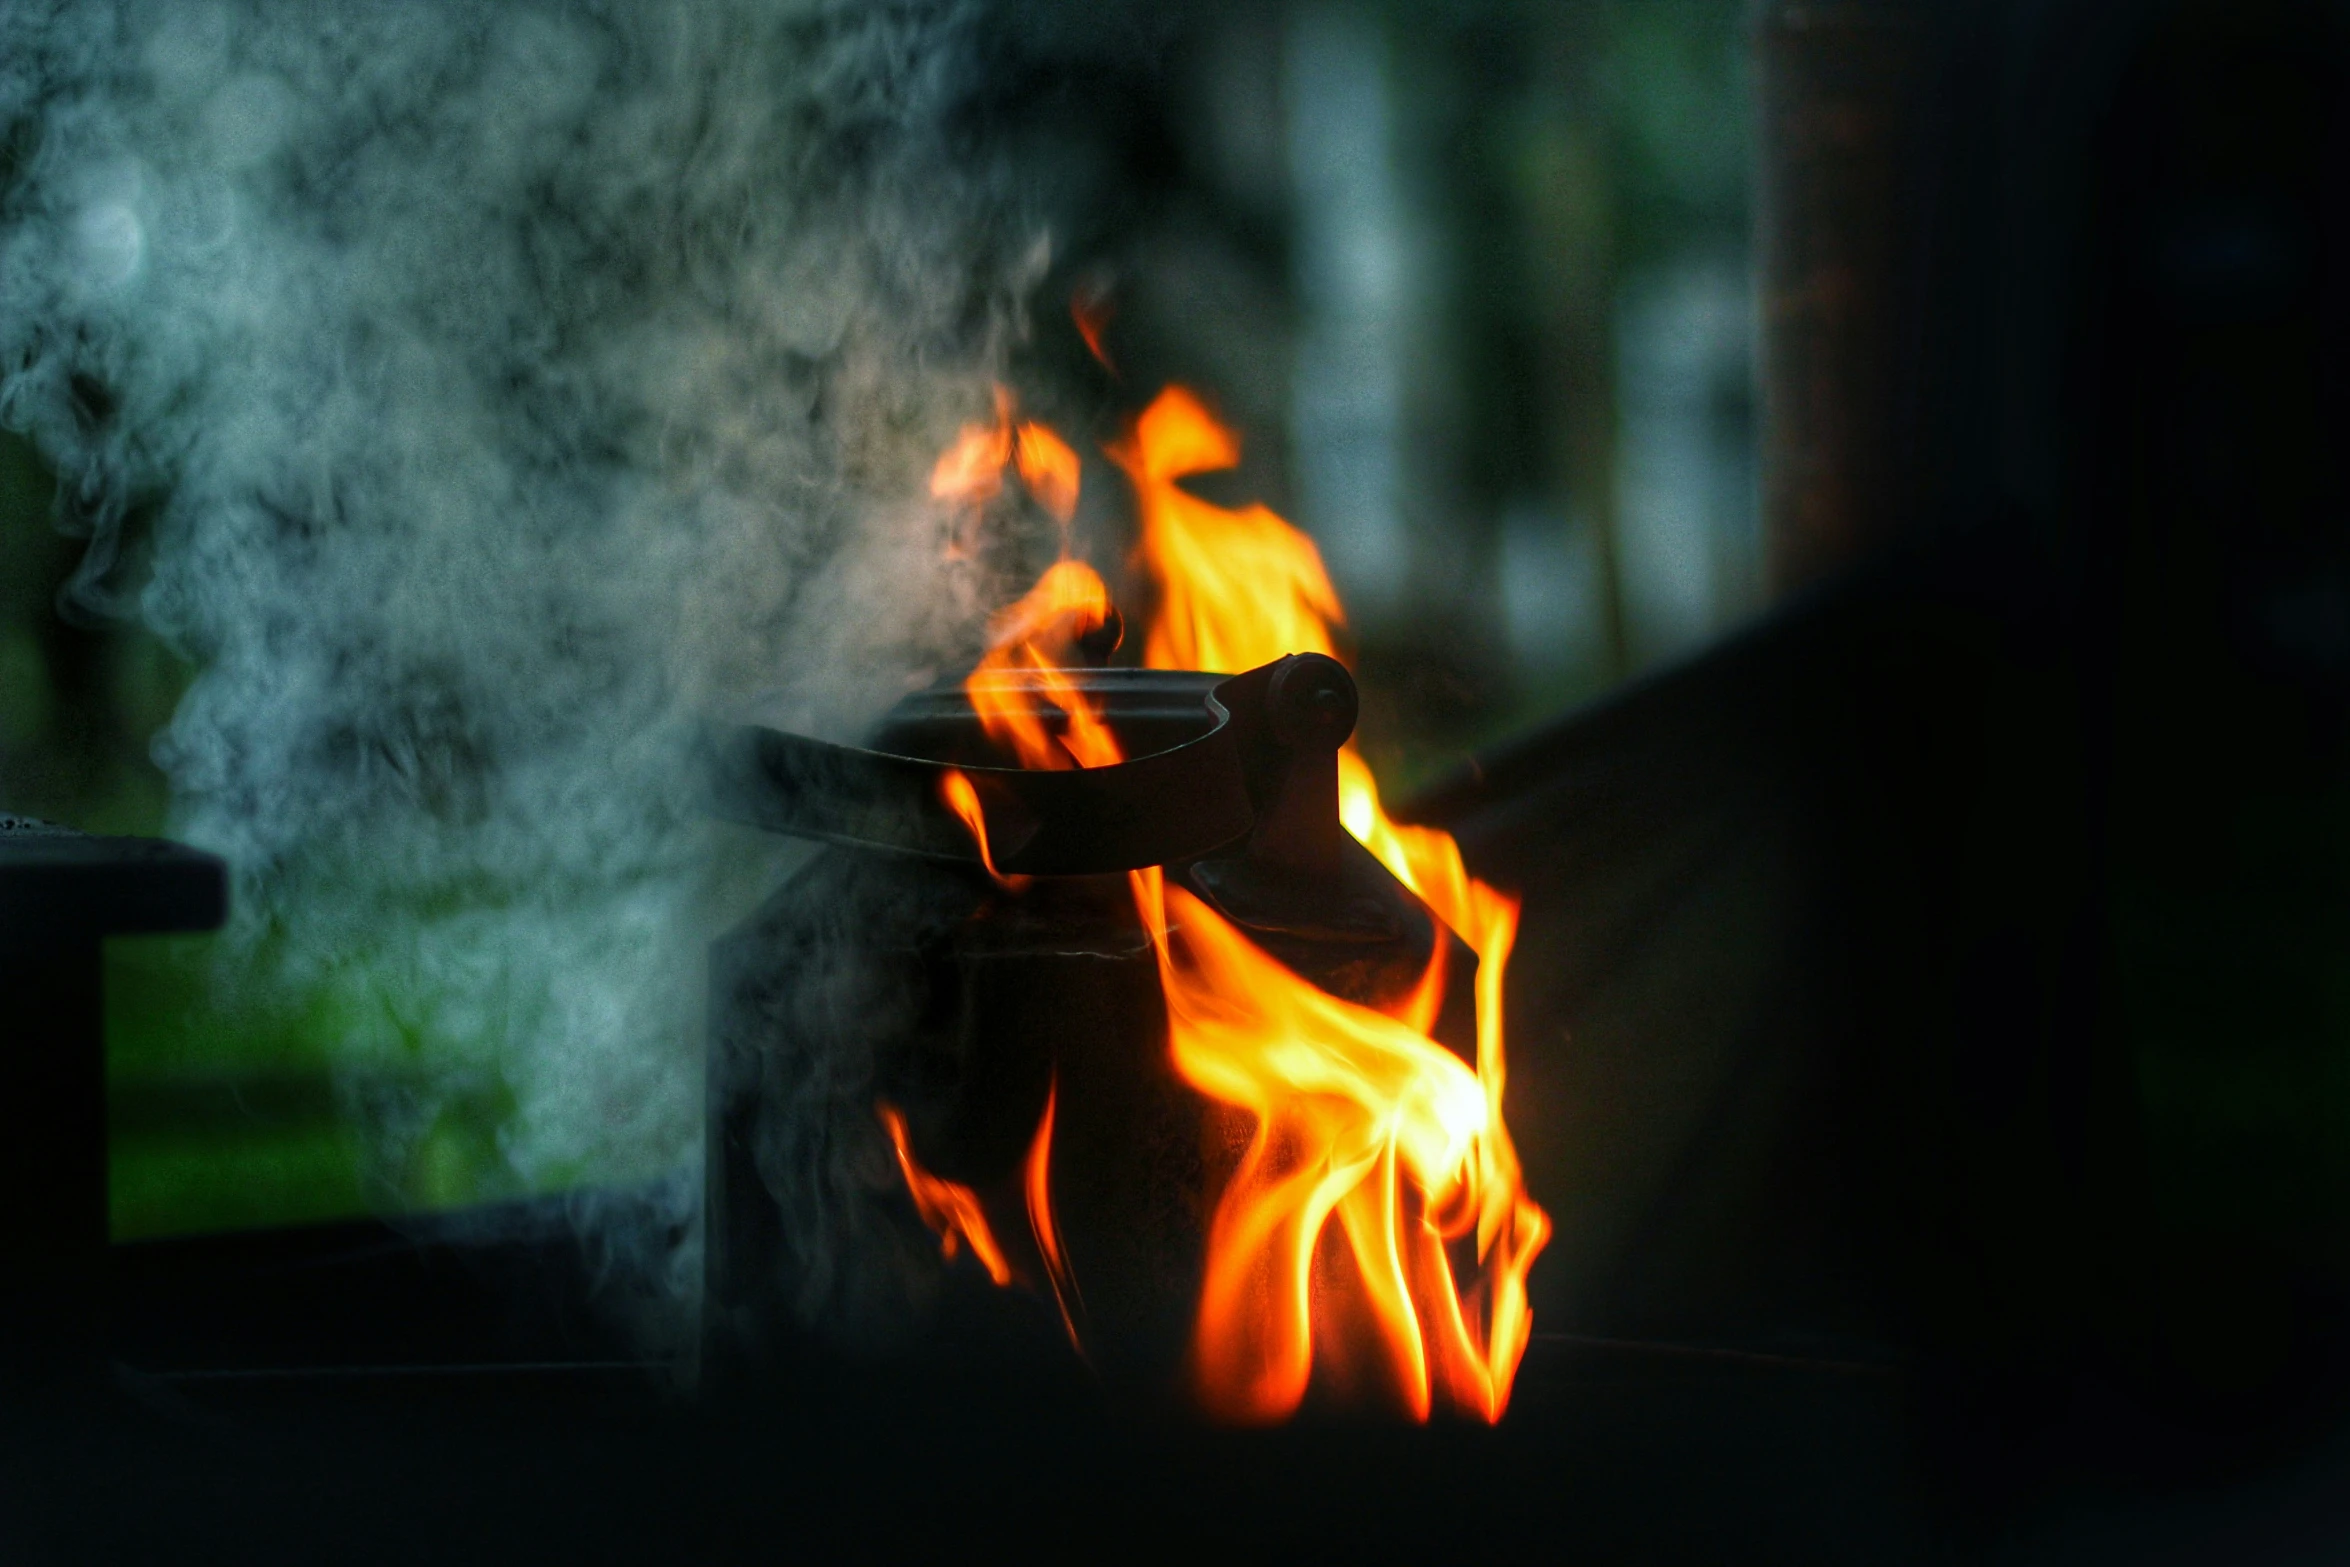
1930 1024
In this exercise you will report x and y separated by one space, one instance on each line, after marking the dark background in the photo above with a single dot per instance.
1902 440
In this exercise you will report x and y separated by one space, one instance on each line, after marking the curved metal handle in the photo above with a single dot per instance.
1158 809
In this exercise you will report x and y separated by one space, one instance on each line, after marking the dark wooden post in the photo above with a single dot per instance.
61 894
1837 239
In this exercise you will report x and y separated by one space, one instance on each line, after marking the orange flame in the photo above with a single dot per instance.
970 472
1031 643
952 1211
1090 309
1037 1182
1236 588
1358 1116
1358 1113
962 799
1048 467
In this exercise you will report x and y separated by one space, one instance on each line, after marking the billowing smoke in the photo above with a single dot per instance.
496 390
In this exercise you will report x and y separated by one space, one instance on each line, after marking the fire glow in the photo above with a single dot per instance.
1357 1114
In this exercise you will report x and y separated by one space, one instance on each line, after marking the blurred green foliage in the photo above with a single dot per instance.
223 1110
231 1106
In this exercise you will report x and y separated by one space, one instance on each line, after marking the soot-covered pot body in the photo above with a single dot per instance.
965 1001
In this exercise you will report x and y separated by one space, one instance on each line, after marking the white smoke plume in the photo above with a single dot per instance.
500 389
